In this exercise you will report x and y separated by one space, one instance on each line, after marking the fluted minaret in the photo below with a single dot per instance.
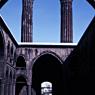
66 21
27 25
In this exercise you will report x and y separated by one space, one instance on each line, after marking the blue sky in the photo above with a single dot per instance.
46 19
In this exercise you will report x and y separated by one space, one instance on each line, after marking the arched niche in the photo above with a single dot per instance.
21 85
48 67
20 63
12 50
8 48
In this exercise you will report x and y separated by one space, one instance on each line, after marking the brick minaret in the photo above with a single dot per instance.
66 21
26 25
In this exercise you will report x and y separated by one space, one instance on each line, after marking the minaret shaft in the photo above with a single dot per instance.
66 21
27 25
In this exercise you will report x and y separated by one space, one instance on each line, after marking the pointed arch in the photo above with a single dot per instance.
48 52
48 67
21 62
21 85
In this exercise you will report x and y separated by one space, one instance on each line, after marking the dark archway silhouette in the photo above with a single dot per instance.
8 48
48 68
12 50
1 46
20 83
21 62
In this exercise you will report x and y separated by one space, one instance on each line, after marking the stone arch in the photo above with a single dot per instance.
23 75
21 62
48 67
21 85
2 45
48 52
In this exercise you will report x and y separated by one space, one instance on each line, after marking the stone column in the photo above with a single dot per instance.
29 90
13 88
